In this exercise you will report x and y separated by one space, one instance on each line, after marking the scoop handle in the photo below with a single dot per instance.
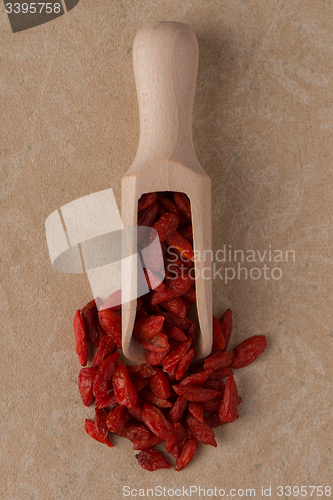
165 59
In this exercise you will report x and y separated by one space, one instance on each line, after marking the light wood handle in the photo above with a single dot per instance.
165 59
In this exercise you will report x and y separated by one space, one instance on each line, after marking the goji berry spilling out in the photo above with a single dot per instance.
167 399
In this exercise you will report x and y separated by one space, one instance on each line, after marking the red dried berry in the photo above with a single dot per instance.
157 422
197 379
248 351
226 326
86 383
91 430
184 364
100 422
111 323
105 348
197 410
187 453
145 328
146 217
123 387
103 376
178 409
218 338
94 331
80 338
228 408
201 431
117 418
192 393
152 460
166 225
160 386
146 200
218 360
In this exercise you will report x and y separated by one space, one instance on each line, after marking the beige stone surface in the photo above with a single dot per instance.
262 130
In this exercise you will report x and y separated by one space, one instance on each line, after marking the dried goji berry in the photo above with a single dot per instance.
228 408
158 343
100 422
94 331
248 351
145 328
193 393
135 432
197 410
176 333
152 460
123 388
107 400
166 225
218 338
176 306
117 418
183 203
146 200
111 323
201 431
155 358
218 360
175 355
146 217
181 244
198 378
103 376
213 420
184 364
187 453
105 348
149 442
91 430
85 383
183 323
226 326
179 433
168 205
80 338
160 386
174 288
178 409
141 371
157 422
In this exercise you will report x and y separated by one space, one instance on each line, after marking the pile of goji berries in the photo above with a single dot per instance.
167 398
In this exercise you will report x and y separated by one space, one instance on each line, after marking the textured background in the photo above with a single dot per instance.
262 130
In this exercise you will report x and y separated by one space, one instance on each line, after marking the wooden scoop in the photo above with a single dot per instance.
165 58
